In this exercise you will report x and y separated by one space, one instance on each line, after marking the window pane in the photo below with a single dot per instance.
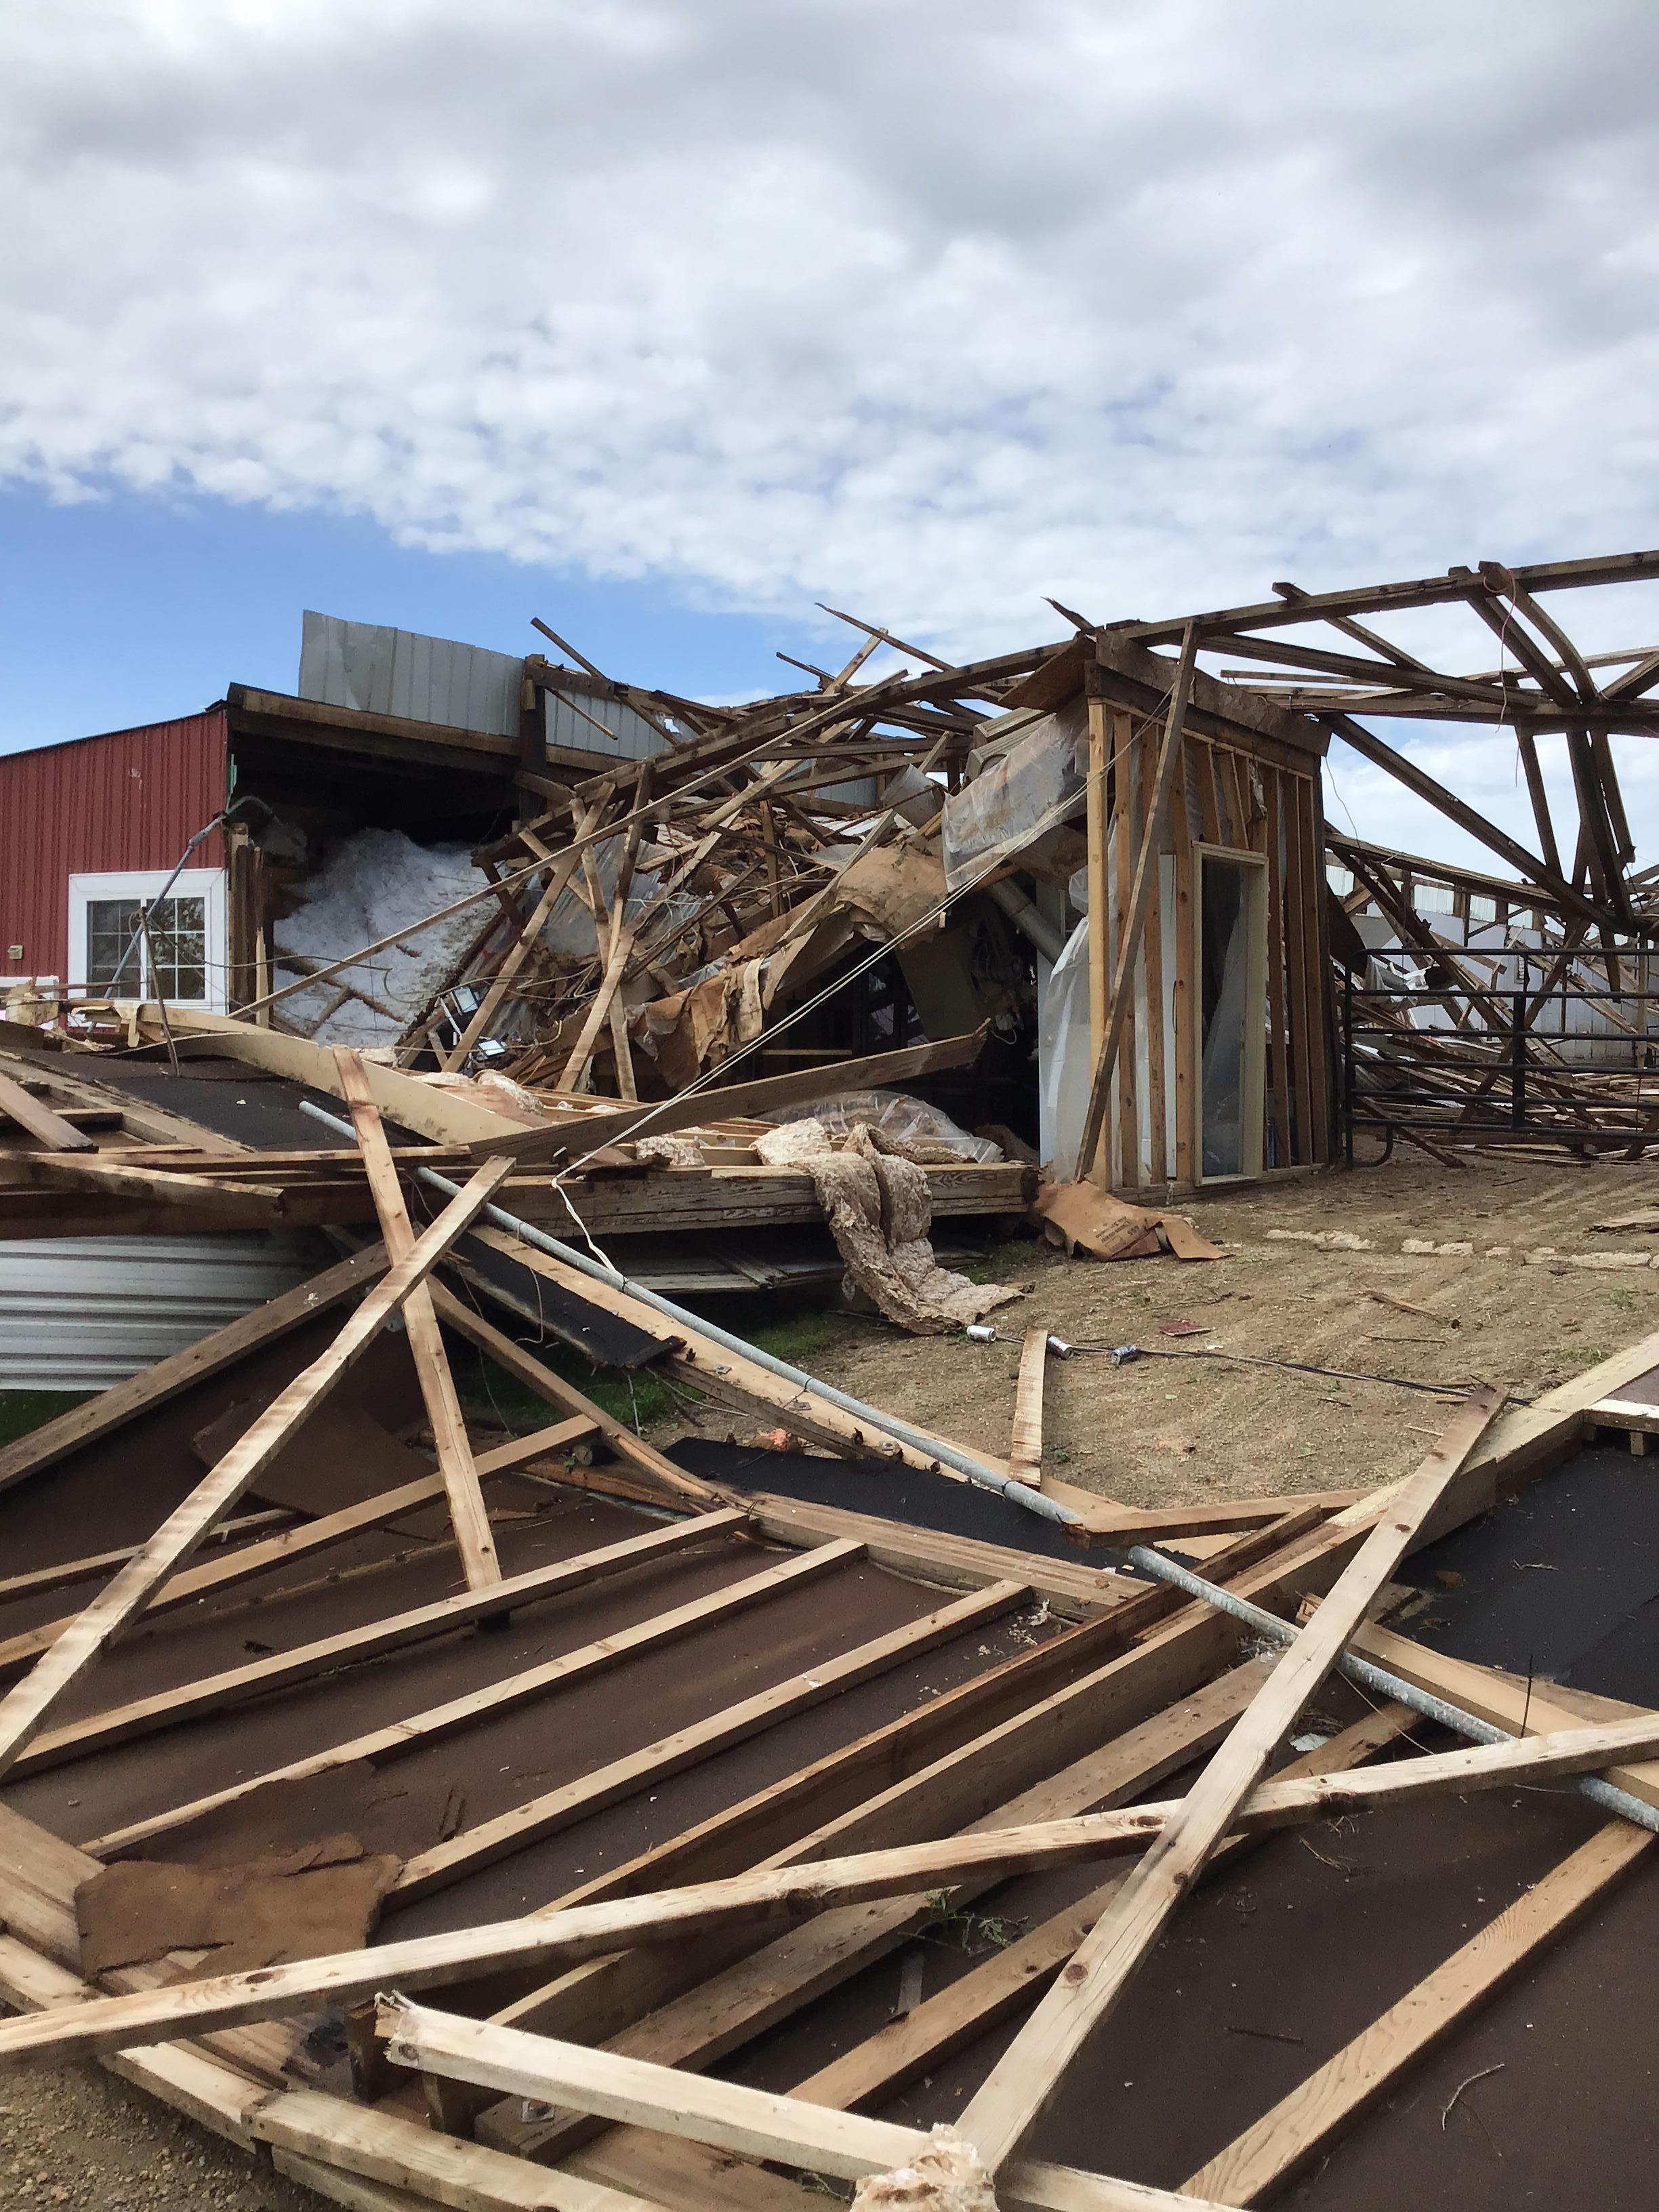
178 944
110 924
177 967
1433 898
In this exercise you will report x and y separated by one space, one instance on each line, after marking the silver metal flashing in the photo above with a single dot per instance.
79 1313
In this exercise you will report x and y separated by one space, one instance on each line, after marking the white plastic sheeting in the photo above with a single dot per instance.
373 883
1065 1067
78 1313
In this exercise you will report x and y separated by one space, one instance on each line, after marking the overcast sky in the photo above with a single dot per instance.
924 307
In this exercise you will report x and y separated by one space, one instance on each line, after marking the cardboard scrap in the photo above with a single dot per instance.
1081 1216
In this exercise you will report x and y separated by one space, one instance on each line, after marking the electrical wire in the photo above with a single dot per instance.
1292 1367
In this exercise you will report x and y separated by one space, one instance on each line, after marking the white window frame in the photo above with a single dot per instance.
206 883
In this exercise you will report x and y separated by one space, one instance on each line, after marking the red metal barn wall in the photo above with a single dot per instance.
131 799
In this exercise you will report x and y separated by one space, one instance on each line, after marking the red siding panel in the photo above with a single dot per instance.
131 799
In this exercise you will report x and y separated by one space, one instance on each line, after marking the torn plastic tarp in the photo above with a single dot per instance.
1034 789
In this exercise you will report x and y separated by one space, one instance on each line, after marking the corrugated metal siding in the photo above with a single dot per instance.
634 739
78 1313
397 671
130 799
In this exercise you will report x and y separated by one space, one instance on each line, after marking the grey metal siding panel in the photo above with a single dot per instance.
632 736
380 671
79 1313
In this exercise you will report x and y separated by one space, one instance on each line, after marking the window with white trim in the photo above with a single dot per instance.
133 934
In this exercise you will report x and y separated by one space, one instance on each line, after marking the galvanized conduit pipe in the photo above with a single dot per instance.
1273 1630
887 1425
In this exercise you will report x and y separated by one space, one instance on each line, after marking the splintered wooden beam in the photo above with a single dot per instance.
467 1512
1025 2079
25 1708
730 2116
1134 909
1026 1451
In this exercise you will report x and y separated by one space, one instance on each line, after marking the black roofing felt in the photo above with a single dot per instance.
1561 1581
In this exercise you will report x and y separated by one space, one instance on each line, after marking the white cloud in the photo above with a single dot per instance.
925 307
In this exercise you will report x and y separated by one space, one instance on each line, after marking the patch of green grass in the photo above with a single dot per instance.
21 1412
800 1337
967 1931
1010 1256
1623 1298
488 1392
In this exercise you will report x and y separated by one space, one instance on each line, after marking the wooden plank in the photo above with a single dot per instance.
1006 1981
1025 1449
612 1128
25 1707
112 1409
40 1581
660 1473
1492 1696
292 1543
468 1515
554 1810
326 2132
1124 1166
394 1739
216 1692
669 1918
1305 989
1270 2154
1107 1523
1074 1592
1021 2084
236 1204
1140 895
34 1117
215 2095
558 878
755 1994
1182 1000
1097 823
1279 1078
1157 1110
1310 816
752 2123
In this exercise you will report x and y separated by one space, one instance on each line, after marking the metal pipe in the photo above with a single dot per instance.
986 1477
1378 1680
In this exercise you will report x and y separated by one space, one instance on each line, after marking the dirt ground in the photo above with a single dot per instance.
81 2139
1154 1430
1179 1430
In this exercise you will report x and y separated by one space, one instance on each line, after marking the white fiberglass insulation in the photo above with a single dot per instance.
371 885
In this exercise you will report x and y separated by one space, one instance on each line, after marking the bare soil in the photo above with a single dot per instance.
1178 1430
82 2139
